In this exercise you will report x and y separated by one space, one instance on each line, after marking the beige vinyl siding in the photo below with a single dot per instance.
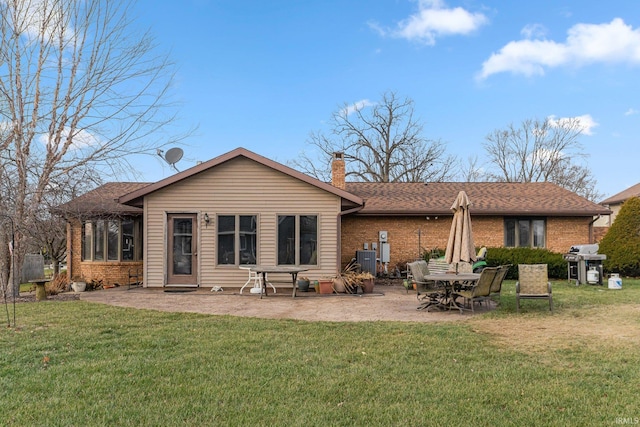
238 187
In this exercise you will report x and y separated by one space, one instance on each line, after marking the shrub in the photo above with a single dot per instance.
621 244
59 284
557 266
94 285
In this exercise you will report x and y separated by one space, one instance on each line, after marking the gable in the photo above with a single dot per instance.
241 185
349 201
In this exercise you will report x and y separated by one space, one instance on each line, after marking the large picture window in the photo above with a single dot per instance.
112 240
297 239
524 233
237 239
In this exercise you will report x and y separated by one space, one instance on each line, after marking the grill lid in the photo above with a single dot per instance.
585 249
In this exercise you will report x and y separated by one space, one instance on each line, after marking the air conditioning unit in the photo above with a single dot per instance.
367 261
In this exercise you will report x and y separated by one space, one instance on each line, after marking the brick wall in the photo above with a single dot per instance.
406 244
598 233
563 232
110 273
338 171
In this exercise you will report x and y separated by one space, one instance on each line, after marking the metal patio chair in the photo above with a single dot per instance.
533 283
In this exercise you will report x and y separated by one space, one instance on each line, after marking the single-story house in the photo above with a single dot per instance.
197 227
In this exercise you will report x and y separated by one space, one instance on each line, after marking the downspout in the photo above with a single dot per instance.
339 228
70 251
591 228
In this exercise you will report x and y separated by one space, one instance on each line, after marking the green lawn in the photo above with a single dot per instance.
78 363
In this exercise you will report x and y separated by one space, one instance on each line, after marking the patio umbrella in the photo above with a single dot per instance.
460 247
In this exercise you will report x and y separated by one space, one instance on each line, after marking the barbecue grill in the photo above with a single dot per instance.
585 264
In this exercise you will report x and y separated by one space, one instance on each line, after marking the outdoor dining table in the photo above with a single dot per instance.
447 282
266 269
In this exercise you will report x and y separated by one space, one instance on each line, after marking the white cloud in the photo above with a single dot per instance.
533 31
631 112
613 42
585 122
43 17
432 20
80 140
357 106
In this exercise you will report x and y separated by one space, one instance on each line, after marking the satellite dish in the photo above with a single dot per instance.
172 156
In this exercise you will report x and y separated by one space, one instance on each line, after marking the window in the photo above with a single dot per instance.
98 241
524 232
113 240
237 239
87 239
127 240
297 239
118 240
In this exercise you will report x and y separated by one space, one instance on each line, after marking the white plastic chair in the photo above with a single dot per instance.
256 278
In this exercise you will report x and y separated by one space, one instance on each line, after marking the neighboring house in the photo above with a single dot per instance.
198 226
614 203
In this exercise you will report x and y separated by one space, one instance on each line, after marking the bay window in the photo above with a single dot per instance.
112 240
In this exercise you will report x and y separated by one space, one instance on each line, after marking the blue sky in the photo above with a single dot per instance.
263 74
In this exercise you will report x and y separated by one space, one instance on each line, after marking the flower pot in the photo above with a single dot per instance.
367 286
79 286
338 285
303 285
326 286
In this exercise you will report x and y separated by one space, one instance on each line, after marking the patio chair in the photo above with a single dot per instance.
254 278
425 289
481 290
418 270
533 283
496 286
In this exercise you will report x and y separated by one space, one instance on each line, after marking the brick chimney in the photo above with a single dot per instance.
338 171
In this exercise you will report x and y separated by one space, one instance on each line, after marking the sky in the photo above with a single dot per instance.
264 74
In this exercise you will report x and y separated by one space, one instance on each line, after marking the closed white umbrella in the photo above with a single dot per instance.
460 247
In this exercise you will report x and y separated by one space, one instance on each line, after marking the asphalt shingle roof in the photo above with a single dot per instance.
622 196
398 198
103 201
487 198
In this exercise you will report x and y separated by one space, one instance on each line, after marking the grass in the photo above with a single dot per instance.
77 363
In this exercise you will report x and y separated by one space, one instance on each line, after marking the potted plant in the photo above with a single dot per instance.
366 280
78 284
303 284
349 277
326 285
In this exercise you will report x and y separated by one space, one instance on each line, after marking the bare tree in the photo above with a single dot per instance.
472 171
78 89
537 151
381 142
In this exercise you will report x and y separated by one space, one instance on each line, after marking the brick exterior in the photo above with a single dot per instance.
598 233
338 171
111 273
406 244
